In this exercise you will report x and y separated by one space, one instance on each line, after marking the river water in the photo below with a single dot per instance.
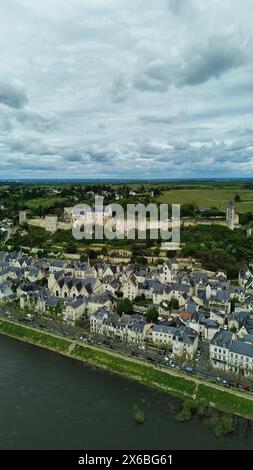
51 402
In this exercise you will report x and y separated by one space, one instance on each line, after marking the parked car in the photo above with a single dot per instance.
189 369
245 387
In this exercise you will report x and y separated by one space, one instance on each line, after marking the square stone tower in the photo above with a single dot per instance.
22 217
51 223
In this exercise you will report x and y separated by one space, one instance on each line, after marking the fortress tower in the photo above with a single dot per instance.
232 218
51 223
22 217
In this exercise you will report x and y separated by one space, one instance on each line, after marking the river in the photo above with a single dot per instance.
51 402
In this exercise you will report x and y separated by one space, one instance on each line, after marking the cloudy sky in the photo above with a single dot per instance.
126 88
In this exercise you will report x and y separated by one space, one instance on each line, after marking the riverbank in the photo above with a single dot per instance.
175 383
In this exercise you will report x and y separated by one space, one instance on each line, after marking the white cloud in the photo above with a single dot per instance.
87 88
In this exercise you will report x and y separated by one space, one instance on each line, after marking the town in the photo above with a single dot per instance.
172 312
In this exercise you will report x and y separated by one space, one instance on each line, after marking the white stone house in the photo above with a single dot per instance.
98 301
130 289
182 340
74 310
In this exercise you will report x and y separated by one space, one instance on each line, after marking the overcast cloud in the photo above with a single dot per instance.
126 88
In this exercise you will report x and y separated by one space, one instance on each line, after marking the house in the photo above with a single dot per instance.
210 330
231 353
127 328
6 291
56 266
245 278
33 274
98 301
164 308
237 319
4 275
97 318
136 329
68 286
74 310
219 348
130 288
163 335
182 340
26 288
112 286
110 270
168 270
240 358
178 292
53 306
185 342
4 257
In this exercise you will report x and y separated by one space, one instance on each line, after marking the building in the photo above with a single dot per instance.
130 288
240 358
232 218
22 217
231 353
128 328
51 223
67 213
219 348
182 340
74 310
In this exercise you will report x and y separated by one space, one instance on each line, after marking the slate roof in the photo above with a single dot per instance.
222 339
242 348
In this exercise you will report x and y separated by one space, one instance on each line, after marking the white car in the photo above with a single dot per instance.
166 358
142 348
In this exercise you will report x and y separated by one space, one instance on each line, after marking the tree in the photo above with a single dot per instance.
156 192
233 329
125 306
152 315
173 304
237 198
92 254
71 248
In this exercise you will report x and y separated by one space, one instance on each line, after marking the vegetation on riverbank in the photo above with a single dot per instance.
139 415
226 401
33 336
221 423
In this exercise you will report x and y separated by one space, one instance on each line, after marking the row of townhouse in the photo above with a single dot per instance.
83 270
127 328
181 339
232 353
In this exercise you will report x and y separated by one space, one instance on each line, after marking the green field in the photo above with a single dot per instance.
47 202
210 198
